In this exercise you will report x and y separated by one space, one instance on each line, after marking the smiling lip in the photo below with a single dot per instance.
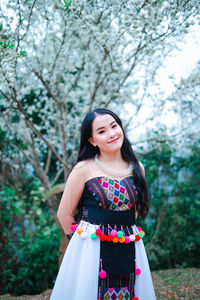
113 140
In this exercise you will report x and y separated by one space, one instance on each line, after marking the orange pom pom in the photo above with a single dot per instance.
142 232
122 239
79 230
115 240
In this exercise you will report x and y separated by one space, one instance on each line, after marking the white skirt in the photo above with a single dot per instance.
78 275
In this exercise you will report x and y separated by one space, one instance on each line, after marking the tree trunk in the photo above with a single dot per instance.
63 245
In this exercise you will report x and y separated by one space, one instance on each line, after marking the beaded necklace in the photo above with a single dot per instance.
113 172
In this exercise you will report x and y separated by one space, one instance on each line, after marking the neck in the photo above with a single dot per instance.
115 157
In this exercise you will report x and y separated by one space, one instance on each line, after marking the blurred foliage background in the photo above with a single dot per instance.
29 237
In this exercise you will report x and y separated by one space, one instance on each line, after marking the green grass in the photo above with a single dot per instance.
169 284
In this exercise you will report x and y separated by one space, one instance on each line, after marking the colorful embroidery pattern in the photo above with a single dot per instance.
117 195
96 187
117 294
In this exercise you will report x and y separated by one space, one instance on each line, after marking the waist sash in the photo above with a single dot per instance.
111 217
117 258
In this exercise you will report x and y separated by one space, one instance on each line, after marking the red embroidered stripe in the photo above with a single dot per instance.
99 191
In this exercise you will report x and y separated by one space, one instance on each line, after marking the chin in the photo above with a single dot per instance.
115 146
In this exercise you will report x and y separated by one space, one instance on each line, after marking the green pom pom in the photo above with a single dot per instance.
140 235
93 236
120 234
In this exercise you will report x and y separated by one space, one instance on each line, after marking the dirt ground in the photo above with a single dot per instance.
182 284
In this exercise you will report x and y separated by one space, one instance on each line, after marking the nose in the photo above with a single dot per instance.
111 134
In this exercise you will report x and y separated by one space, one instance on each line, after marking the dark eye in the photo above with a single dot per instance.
102 131
115 125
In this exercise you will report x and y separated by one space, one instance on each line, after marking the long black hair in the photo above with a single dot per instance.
87 151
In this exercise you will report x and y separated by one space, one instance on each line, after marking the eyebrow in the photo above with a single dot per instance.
104 126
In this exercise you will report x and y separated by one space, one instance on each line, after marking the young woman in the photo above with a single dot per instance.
104 193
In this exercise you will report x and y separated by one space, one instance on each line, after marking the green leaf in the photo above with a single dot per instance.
67 4
138 9
22 53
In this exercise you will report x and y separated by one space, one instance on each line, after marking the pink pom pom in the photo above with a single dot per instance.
102 274
127 240
113 233
139 228
99 232
73 227
137 271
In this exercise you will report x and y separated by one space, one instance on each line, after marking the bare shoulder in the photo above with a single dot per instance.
81 165
142 168
81 169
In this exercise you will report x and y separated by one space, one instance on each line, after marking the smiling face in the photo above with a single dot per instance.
106 134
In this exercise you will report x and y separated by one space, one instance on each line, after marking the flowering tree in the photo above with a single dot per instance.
60 59
186 102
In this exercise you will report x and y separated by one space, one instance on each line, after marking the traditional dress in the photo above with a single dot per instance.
106 258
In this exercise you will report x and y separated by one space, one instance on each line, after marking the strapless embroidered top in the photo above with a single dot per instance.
109 193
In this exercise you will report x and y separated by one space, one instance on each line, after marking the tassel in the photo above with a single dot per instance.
102 273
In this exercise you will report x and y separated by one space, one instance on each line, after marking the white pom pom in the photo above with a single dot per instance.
83 235
132 237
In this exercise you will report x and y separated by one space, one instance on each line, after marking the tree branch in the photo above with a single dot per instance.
31 125
48 162
59 50
27 28
46 86
57 176
37 165
62 133
97 84
75 81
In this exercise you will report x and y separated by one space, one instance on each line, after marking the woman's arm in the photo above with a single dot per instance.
71 196
142 168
